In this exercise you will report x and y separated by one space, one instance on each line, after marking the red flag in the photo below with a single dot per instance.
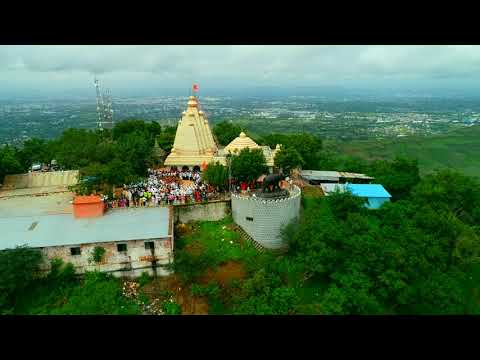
195 87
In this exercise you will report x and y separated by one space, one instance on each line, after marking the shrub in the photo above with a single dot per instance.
18 270
211 291
144 279
171 308
97 254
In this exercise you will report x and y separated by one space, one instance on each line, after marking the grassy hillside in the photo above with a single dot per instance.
459 150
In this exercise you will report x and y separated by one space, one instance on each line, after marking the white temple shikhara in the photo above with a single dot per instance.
194 144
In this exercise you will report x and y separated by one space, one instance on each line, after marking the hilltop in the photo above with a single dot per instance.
458 150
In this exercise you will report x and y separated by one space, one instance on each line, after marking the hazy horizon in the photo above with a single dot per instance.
68 70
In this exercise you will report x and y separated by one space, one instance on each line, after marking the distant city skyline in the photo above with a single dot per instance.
161 70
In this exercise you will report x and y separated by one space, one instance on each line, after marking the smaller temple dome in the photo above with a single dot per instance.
241 142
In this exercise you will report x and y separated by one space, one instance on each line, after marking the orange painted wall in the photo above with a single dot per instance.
88 207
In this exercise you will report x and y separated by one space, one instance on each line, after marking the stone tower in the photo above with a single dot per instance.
194 142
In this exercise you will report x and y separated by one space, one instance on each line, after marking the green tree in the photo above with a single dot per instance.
398 176
19 268
118 172
307 145
99 294
288 159
225 132
412 256
216 175
35 150
265 294
451 191
167 137
248 165
136 149
9 162
77 148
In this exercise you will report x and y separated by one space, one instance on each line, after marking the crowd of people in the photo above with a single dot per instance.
164 187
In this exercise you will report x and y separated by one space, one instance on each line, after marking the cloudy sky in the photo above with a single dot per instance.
66 69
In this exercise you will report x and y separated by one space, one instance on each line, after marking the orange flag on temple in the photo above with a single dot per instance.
204 166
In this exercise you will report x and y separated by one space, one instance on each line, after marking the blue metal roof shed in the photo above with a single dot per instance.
375 193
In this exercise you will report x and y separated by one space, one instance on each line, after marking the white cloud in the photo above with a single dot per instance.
293 65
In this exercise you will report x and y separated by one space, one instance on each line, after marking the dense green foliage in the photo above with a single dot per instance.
248 165
216 175
417 255
18 271
115 157
98 294
410 257
308 146
288 159
225 132
25 289
9 162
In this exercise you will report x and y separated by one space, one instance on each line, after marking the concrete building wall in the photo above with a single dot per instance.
41 179
263 219
212 211
132 263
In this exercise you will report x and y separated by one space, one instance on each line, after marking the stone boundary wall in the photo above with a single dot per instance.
41 179
263 219
211 211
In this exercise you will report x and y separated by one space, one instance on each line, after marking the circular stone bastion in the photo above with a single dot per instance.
263 218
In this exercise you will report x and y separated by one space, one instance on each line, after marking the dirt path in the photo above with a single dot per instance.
191 305
159 289
231 270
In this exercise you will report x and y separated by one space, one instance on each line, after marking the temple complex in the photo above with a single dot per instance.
194 145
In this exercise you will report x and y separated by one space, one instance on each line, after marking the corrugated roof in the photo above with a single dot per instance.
363 190
328 188
64 229
319 175
369 190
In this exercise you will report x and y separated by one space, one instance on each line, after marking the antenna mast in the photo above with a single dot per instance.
100 105
104 107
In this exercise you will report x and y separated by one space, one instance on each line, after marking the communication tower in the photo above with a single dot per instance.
104 107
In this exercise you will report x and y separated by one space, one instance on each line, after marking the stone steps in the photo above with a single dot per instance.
248 238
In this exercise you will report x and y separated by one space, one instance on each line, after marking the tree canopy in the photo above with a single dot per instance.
248 165
288 159
216 175
225 132
308 146
413 256
114 156
18 270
